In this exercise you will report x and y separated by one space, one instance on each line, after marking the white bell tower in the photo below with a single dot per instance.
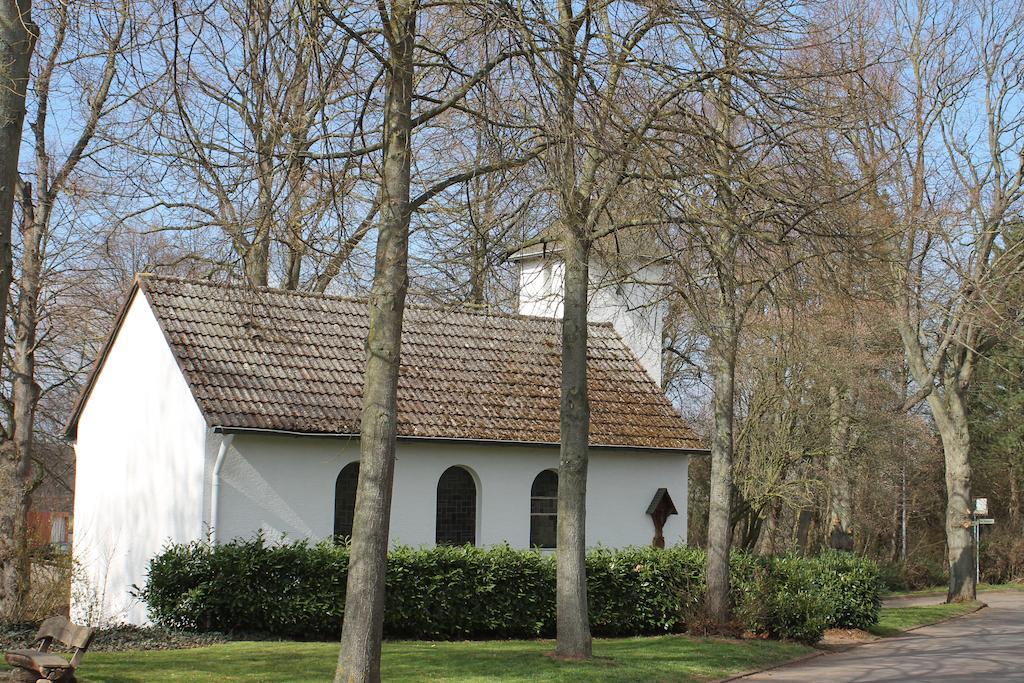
627 291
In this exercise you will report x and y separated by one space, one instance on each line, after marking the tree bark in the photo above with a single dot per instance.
17 40
804 523
573 627
950 417
724 342
256 259
840 498
948 408
573 639
359 656
17 452
1014 504
717 603
299 119
766 542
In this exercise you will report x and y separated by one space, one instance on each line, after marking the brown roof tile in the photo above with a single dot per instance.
272 359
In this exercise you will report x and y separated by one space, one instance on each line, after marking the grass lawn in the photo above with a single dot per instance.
893 620
941 590
665 658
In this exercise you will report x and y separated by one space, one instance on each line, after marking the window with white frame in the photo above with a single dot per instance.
544 510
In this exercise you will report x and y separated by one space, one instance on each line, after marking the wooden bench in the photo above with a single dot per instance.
38 664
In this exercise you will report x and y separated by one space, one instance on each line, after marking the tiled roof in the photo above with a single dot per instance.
278 360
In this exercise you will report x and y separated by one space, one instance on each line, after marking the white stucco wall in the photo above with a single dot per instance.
139 472
284 485
633 302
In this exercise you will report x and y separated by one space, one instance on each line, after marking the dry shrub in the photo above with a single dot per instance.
51 587
1002 557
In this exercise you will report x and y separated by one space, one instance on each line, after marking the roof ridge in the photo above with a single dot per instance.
142 277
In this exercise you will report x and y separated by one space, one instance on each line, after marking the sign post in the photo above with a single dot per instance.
979 517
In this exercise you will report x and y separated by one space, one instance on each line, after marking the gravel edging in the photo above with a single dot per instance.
851 646
121 638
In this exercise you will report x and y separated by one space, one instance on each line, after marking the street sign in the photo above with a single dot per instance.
977 521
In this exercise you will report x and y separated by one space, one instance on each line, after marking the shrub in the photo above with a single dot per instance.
851 587
297 590
785 600
892 576
51 585
1002 557
466 592
639 591
914 574
746 574
292 590
798 598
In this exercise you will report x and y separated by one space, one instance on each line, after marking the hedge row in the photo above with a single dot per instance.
297 590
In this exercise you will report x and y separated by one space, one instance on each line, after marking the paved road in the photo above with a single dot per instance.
986 646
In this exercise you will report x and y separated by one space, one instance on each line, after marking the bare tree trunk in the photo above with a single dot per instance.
573 618
480 199
1014 504
295 215
951 420
296 247
716 603
478 272
17 40
766 543
25 391
573 628
840 498
802 532
17 452
723 347
299 118
359 656
256 259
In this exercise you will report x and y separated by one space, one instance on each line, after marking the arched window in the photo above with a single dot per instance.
456 508
345 501
544 510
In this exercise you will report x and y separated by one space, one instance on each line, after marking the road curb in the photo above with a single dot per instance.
788 662
851 646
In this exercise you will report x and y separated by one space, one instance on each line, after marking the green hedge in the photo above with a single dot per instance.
851 588
297 590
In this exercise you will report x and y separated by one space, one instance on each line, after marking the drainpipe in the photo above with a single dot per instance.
225 443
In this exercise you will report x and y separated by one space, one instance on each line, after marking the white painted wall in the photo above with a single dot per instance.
633 302
139 471
284 485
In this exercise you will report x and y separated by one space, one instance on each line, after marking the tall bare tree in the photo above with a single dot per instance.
598 104
91 59
359 657
742 207
17 40
252 92
942 162
400 195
